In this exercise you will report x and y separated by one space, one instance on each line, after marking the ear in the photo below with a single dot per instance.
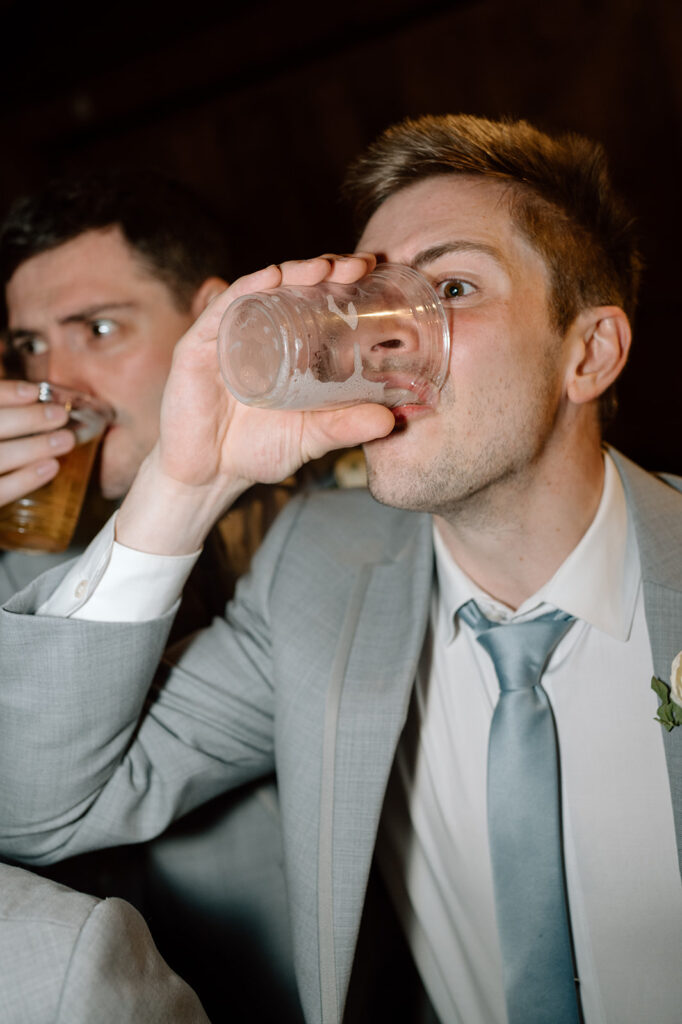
601 339
206 291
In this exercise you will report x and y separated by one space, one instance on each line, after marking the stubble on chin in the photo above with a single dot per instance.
403 469
395 481
449 482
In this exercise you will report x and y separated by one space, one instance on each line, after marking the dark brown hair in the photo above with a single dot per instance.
171 229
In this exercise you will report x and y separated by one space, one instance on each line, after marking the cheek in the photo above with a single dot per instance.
141 399
479 339
135 385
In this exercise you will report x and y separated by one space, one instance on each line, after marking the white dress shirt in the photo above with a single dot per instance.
621 862
113 583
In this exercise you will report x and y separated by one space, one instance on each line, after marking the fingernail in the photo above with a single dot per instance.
26 390
53 412
61 442
46 468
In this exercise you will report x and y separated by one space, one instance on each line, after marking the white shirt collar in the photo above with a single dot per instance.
598 581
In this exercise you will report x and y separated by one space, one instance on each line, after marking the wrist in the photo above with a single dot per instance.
166 516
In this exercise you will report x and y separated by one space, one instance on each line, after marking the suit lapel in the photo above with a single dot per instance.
657 512
386 620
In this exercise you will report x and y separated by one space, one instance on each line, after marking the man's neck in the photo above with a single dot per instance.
512 539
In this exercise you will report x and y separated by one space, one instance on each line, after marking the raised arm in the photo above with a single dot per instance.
212 448
84 761
90 756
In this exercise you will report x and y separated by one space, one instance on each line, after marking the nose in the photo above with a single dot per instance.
398 338
68 368
394 345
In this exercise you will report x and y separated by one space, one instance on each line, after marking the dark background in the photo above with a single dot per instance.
260 106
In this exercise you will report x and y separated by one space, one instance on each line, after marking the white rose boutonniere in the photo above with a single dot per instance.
670 708
676 679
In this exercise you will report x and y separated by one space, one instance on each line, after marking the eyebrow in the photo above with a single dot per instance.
14 334
435 252
90 311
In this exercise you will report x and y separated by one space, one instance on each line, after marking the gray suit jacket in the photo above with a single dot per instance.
72 959
310 672
212 887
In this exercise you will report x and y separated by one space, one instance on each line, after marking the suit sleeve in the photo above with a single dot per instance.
116 974
68 958
91 754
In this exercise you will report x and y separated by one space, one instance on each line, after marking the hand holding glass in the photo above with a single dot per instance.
383 339
46 519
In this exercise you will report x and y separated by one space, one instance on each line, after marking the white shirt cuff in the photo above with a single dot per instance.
113 583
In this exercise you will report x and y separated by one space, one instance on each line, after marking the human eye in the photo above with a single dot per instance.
29 345
102 327
454 288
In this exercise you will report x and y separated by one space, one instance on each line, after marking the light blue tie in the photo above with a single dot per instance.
524 822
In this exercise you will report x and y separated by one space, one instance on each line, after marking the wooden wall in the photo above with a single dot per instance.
260 106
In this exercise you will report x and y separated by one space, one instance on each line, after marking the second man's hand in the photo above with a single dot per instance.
32 436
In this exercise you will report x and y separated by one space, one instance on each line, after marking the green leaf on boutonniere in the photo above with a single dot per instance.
669 713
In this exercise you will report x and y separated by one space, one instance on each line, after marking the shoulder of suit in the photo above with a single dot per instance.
671 480
346 527
636 478
347 508
25 896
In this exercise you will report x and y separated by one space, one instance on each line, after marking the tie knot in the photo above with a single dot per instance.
520 650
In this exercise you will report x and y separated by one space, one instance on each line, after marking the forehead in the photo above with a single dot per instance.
95 267
442 209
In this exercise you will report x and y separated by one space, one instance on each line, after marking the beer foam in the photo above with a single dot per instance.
350 318
305 391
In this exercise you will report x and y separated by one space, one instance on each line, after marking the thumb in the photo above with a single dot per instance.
326 430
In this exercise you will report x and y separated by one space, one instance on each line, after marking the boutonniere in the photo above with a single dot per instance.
670 708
